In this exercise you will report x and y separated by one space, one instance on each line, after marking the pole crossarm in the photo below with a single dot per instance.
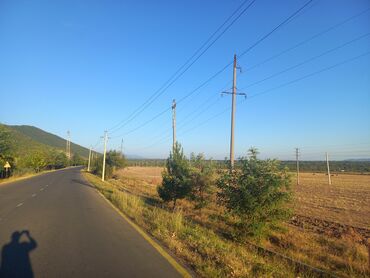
231 93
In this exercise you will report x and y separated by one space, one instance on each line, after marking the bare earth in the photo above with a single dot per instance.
346 200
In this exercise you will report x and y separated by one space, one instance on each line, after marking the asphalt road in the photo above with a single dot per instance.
56 225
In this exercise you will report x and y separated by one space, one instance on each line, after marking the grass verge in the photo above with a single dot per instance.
206 252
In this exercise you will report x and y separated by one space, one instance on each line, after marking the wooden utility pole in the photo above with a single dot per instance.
233 108
297 162
328 168
104 155
88 164
173 125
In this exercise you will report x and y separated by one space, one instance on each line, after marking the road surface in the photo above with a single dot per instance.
57 225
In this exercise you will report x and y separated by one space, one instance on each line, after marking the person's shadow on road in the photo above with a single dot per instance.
15 260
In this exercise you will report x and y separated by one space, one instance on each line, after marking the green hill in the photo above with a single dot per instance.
41 137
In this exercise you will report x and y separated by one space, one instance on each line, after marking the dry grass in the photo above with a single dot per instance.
343 202
207 253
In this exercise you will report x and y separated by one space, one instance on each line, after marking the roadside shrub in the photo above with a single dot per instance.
176 183
255 195
114 160
201 179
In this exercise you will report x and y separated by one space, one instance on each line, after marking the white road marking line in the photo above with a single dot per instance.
47 185
41 189
20 204
34 195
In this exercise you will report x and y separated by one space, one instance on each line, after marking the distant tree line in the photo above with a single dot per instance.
335 166
305 166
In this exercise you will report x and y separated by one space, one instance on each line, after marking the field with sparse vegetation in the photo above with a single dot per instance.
328 230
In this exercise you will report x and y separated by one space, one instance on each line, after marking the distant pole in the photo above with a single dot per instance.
68 147
328 168
88 164
173 125
104 156
122 147
297 161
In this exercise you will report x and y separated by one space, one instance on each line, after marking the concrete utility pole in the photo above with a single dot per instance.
68 146
88 164
122 147
173 125
105 152
328 168
297 161
233 93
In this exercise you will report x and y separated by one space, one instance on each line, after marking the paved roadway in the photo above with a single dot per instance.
56 225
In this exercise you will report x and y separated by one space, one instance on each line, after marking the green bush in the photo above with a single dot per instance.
114 160
256 195
176 183
201 179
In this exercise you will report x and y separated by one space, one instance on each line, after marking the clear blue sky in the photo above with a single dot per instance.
86 65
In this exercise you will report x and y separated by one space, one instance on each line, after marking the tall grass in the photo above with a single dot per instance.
207 253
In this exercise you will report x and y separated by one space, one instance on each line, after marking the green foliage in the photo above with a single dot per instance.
77 160
5 150
56 160
48 139
25 154
201 179
37 161
114 160
256 195
176 183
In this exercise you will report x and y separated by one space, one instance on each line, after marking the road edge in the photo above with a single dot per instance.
32 175
176 265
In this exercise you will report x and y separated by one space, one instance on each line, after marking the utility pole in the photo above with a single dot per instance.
328 168
297 161
173 125
122 148
105 151
68 146
88 164
233 93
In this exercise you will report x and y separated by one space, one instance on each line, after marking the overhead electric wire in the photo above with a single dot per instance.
296 12
308 60
310 75
185 67
309 39
278 87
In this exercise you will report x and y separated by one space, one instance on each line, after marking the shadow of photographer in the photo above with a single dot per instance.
15 260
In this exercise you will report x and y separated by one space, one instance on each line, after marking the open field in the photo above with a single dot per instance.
345 201
317 235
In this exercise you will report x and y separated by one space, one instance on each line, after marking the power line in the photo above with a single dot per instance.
295 13
309 39
308 60
310 75
185 67
278 87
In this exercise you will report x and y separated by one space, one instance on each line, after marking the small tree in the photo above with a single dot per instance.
37 161
77 160
201 179
176 183
113 161
256 194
